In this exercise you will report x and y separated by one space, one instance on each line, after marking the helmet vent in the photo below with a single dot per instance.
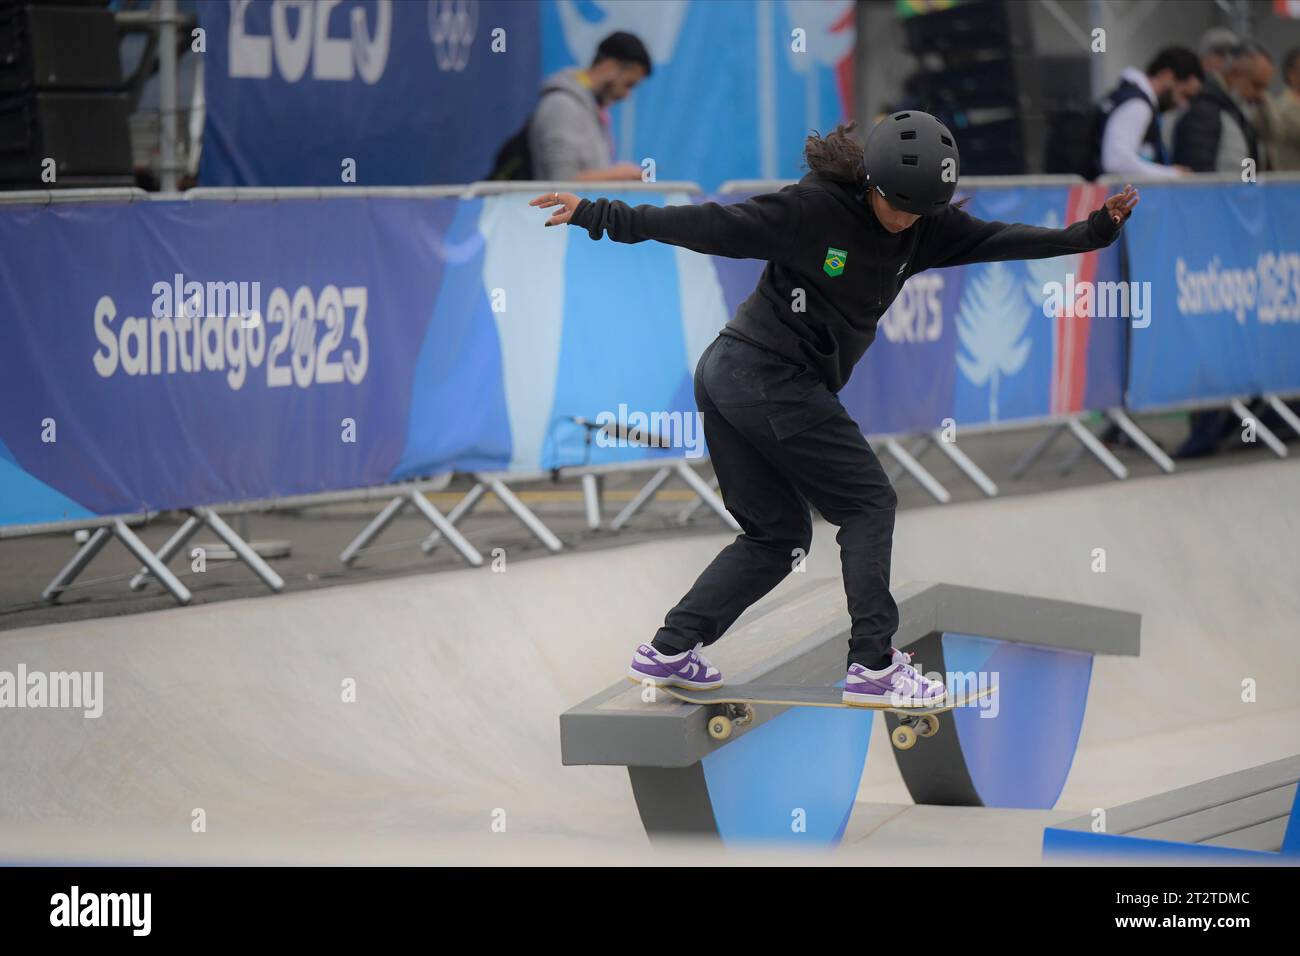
910 159
902 116
907 134
943 139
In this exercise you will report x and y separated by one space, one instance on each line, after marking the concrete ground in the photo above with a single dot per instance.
415 719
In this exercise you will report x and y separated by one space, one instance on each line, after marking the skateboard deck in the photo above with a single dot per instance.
737 703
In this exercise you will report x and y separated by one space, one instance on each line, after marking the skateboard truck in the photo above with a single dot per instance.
733 716
910 727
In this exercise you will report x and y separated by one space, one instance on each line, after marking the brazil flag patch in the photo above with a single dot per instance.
835 260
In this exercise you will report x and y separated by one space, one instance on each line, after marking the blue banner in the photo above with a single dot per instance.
595 330
168 354
202 352
171 354
388 92
1222 263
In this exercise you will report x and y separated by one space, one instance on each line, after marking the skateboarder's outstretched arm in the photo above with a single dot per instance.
957 238
763 227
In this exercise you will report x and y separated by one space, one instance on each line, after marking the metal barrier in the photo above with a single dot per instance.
50 197
1237 403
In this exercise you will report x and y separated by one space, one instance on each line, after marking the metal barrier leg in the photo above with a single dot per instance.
913 467
1269 439
85 554
591 498
707 494
1026 461
916 451
968 467
168 551
1284 412
241 548
1141 439
521 511
462 508
640 498
372 530
1070 460
1099 451
146 557
696 503
436 518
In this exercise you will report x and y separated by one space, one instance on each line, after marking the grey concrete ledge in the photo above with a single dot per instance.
801 638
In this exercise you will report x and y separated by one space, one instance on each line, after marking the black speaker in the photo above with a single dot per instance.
86 135
58 48
967 77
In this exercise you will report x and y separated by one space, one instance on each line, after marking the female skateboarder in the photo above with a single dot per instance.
839 245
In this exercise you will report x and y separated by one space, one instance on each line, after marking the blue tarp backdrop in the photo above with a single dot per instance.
735 90
421 91
410 90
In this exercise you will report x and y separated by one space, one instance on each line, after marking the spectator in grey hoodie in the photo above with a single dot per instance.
569 136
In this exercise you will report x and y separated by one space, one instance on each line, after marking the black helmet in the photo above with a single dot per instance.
904 159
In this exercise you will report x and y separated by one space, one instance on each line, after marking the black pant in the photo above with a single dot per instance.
779 439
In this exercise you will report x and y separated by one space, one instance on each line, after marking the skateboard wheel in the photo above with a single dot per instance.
929 725
903 738
720 728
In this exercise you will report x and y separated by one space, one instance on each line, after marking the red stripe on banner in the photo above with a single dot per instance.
1070 358
845 75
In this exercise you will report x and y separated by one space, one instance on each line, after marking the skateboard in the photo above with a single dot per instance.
736 703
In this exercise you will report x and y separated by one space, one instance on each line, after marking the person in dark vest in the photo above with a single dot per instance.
1128 118
1217 134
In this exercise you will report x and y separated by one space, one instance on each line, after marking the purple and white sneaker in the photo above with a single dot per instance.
687 669
899 685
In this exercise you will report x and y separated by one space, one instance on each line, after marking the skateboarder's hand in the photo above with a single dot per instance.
1120 206
567 201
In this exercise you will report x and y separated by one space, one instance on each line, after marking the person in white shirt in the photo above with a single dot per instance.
1129 141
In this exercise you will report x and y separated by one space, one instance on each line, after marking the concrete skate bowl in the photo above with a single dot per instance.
236 708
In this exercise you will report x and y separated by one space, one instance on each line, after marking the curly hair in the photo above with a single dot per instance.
838 154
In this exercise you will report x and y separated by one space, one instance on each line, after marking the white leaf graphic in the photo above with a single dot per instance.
991 324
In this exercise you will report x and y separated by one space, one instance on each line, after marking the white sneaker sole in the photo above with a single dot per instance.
864 700
637 677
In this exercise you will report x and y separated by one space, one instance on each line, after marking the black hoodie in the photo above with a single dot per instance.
817 235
